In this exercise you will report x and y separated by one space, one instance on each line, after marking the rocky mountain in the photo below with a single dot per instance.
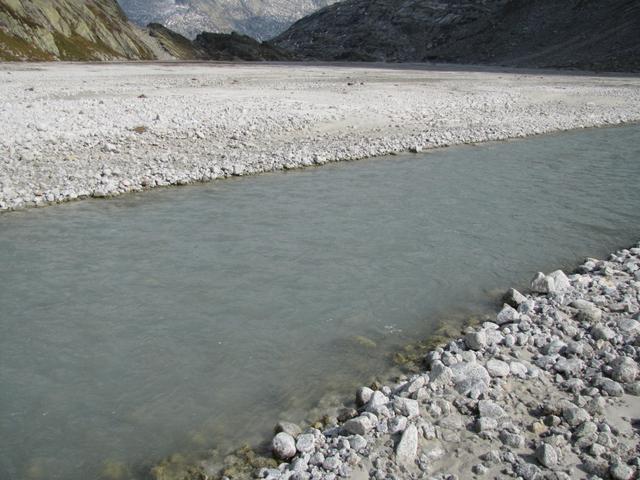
584 34
68 30
260 19
212 46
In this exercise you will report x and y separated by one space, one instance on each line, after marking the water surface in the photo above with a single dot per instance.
194 317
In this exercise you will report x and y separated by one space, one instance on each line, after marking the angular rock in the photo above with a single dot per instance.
288 427
542 283
407 448
470 379
476 340
507 315
547 455
359 425
490 409
514 298
625 370
561 283
602 332
514 440
498 368
363 395
574 415
407 407
587 311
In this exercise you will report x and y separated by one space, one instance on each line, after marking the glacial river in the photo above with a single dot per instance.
191 318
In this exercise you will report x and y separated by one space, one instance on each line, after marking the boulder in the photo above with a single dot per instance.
470 379
542 283
283 446
625 370
407 448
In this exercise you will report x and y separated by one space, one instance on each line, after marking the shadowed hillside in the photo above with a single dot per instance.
583 34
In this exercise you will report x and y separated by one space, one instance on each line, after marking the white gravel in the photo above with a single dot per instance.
69 130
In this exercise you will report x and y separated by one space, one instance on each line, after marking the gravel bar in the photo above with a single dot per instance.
550 389
72 131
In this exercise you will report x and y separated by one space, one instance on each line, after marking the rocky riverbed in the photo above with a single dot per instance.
550 389
73 131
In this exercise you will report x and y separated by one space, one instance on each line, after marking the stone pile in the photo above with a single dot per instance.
549 390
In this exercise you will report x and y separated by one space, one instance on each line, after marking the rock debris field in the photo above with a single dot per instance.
72 131
548 390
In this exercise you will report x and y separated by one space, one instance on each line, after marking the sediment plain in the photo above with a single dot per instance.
72 131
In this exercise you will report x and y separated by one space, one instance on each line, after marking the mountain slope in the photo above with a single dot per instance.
586 34
260 19
67 30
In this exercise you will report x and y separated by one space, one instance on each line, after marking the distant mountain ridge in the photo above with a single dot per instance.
260 19
68 30
582 34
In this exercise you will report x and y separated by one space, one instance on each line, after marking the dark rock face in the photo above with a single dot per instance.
222 46
582 34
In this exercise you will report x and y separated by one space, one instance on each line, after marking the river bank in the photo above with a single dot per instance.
74 131
550 389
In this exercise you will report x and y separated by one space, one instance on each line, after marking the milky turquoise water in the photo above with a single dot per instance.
195 317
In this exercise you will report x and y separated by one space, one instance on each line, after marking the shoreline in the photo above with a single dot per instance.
548 388
122 131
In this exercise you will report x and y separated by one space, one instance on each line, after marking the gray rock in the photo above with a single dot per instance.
621 471
397 424
359 425
407 407
306 443
358 442
542 283
377 402
485 424
476 340
363 395
507 315
479 469
629 326
283 446
288 427
587 311
625 370
440 374
547 455
602 332
332 463
514 298
574 415
633 388
514 440
498 368
528 471
554 346
518 369
407 448
470 379
610 387
561 283
490 409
